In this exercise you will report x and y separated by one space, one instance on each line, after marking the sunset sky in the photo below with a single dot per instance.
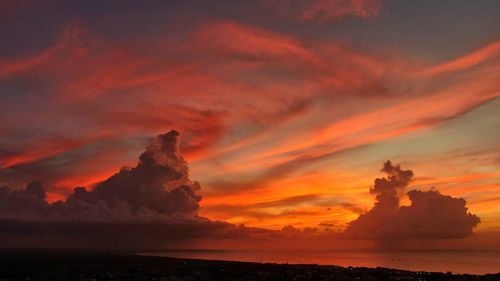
286 110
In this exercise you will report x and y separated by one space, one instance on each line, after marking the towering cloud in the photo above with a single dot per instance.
159 183
386 188
153 202
430 215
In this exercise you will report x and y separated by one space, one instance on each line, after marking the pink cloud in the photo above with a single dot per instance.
486 54
326 10
247 100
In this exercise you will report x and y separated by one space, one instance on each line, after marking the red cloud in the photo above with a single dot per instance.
484 55
68 46
326 10
253 102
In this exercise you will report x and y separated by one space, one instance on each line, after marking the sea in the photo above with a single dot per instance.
455 261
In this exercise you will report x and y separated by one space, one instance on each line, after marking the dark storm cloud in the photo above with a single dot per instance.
387 188
434 215
431 215
159 183
153 202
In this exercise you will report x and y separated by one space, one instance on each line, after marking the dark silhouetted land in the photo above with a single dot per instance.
93 265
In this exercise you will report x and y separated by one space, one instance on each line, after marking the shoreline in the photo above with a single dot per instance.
460 262
99 265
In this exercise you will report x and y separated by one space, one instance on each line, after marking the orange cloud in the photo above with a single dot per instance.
256 107
486 54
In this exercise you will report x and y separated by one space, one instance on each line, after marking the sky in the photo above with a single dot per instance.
286 110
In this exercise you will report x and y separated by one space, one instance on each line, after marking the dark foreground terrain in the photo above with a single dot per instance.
85 265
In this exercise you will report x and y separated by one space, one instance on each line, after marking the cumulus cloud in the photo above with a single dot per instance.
153 201
431 215
159 183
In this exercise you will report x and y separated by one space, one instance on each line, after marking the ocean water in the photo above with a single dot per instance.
474 262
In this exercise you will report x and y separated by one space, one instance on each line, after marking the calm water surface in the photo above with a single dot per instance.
477 262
